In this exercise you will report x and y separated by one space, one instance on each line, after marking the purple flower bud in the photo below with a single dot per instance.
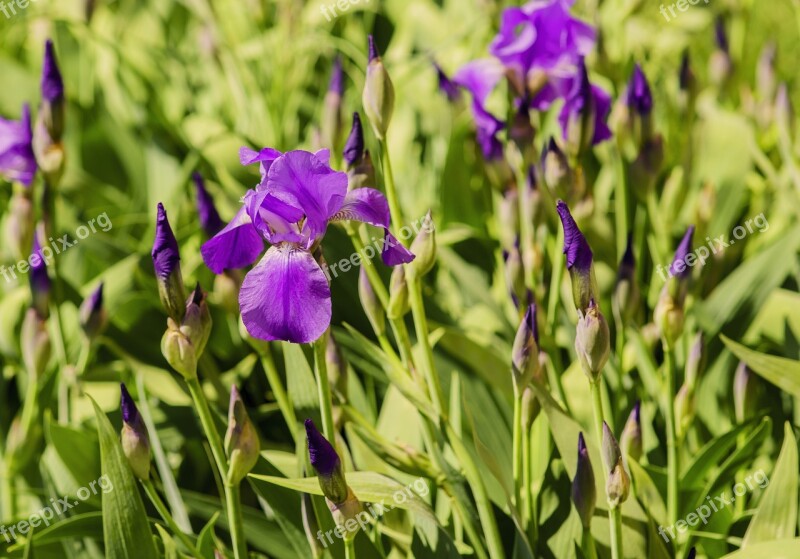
686 76
584 491
93 315
609 448
446 85
52 84
354 147
39 280
336 84
378 94
745 393
678 267
525 351
135 440
592 341
583 117
720 35
17 160
579 259
631 439
555 167
638 96
241 440
327 464
209 217
627 266
166 257
373 50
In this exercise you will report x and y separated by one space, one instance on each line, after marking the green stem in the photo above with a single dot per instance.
9 493
324 391
349 548
517 455
597 405
672 448
616 532
234 503
276 384
388 179
587 544
163 511
621 206
207 422
421 325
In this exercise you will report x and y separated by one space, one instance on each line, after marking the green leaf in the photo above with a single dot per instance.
776 517
125 529
778 549
783 373
205 540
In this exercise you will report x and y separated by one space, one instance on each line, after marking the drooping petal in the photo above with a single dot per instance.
265 158
286 297
370 206
236 246
301 180
480 77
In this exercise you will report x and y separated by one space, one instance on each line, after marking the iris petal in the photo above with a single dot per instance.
236 246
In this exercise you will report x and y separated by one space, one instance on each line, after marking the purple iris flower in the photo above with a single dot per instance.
542 40
446 85
17 161
286 296
576 248
585 97
209 217
638 96
480 77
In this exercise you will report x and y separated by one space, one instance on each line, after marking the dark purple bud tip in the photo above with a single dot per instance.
685 77
354 147
130 414
637 412
52 84
373 50
720 35
575 246
197 296
336 85
684 248
692 554
446 85
638 96
531 179
96 299
583 452
165 247
209 217
40 281
322 454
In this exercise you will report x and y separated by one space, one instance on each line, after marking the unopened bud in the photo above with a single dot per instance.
226 290
584 491
618 485
135 440
684 409
20 224
179 351
398 294
332 121
372 305
424 248
327 464
35 343
93 314
378 96
167 265
241 440
630 441
557 174
525 351
609 448
745 393
196 323
592 341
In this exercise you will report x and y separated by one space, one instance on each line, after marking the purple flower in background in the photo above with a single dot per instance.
446 85
209 217
336 85
720 36
579 255
541 44
39 280
354 147
684 248
583 117
638 96
166 257
480 77
52 83
286 296
17 161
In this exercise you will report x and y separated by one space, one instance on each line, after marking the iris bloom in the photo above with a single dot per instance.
286 296
17 162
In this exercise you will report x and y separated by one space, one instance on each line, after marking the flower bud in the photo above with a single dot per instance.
362 174
226 290
631 439
694 360
206 211
327 464
398 293
52 108
20 224
584 491
241 440
530 405
720 64
745 393
167 265
424 248
372 305
93 314
609 448
626 291
592 341
766 81
378 96
332 120
579 260
639 101
354 147
508 219
525 351
555 167
35 343
39 279
684 409
618 485
344 511
179 351
669 318
135 440
515 274
196 325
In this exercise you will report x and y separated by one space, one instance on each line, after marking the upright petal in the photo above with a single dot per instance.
300 179
575 246
17 161
236 246
265 158
480 77
286 297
